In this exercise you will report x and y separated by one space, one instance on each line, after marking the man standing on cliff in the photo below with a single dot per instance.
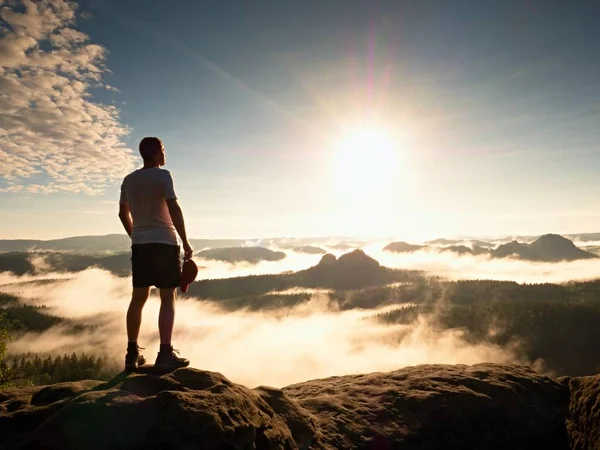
152 217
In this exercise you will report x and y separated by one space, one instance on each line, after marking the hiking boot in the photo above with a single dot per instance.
134 358
168 359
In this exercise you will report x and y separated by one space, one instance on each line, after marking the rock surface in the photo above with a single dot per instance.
483 406
583 419
433 407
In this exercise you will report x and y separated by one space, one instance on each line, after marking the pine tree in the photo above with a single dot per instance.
6 373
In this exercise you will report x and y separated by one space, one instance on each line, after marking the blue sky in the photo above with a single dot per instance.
494 104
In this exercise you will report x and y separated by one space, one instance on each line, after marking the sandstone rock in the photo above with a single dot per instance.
583 419
484 406
61 391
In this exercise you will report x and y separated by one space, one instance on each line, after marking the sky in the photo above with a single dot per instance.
304 118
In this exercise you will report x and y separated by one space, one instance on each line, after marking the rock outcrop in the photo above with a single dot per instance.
547 248
583 419
352 270
484 406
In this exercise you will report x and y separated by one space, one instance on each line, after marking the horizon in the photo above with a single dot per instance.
341 238
405 120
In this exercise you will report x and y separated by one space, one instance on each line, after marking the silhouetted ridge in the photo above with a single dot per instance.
327 260
349 271
111 243
458 249
549 248
252 255
358 258
402 247
21 263
308 249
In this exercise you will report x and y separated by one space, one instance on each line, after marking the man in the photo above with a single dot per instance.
151 215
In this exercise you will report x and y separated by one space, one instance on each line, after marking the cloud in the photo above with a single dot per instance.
292 262
53 136
312 340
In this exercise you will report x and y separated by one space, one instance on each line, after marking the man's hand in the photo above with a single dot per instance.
188 251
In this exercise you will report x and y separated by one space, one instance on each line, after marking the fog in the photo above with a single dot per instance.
445 264
10 278
293 261
454 267
312 340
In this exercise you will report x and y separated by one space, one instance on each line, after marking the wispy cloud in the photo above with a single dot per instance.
53 136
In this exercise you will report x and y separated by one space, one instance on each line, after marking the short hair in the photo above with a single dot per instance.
149 147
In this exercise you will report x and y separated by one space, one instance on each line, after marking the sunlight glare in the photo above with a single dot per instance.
367 159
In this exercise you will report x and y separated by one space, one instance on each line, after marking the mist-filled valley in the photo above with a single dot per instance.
326 307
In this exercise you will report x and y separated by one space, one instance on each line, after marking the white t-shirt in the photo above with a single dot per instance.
146 192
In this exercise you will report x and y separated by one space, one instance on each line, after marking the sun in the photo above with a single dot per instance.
367 159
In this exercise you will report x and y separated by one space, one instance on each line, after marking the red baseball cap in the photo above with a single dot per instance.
188 274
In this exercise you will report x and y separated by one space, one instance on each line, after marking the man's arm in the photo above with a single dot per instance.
125 216
179 224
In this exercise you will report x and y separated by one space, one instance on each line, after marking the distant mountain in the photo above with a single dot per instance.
458 249
464 250
402 247
350 271
81 244
463 242
110 243
353 270
548 248
483 244
252 255
442 241
21 263
309 249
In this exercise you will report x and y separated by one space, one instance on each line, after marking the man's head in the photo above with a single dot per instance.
152 151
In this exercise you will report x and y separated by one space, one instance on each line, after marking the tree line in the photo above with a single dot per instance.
554 326
32 368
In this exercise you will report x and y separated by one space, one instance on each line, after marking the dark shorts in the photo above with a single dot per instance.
155 265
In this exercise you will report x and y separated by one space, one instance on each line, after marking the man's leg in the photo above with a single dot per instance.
134 313
166 315
167 357
134 359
